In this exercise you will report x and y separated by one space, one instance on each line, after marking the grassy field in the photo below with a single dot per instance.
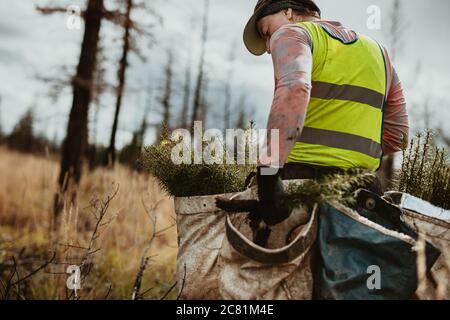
30 236
138 223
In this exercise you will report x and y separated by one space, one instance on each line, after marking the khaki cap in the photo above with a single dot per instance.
253 40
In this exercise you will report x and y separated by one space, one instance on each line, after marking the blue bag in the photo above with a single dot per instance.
354 245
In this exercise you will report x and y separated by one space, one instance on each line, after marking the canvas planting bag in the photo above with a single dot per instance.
217 260
329 256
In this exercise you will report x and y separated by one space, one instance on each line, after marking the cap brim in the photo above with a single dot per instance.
252 38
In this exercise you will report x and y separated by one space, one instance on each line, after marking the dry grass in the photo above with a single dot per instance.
27 187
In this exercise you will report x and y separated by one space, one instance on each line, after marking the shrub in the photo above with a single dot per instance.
425 171
192 179
336 187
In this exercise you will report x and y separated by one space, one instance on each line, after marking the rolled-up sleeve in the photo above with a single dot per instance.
396 120
292 60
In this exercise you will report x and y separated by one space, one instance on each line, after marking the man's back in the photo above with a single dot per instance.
328 63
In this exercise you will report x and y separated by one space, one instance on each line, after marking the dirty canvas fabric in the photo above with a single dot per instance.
250 272
201 230
210 267
436 285
328 259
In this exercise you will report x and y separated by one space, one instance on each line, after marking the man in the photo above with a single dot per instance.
338 102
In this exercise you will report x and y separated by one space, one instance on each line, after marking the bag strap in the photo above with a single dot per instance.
295 249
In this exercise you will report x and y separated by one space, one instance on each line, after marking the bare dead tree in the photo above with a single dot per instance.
185 108
242 118
144 123
201 68
129 45
396 29
228 84
99 87
111 152
130 154
186 91
204 102
166 99
75 143
143 128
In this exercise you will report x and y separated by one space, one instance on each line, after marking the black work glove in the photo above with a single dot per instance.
271 194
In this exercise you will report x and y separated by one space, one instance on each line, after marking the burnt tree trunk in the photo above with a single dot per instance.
228 86
75 143
186 96
227 107
110 158
166 100
199 84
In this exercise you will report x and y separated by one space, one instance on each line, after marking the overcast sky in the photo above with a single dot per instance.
32 46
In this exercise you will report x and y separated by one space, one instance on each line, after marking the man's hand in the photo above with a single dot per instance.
270 206
271 193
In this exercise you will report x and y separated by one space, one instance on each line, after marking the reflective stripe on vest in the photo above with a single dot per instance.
341 140
343 126
323 90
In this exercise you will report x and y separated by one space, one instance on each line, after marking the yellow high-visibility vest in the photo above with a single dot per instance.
344 122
